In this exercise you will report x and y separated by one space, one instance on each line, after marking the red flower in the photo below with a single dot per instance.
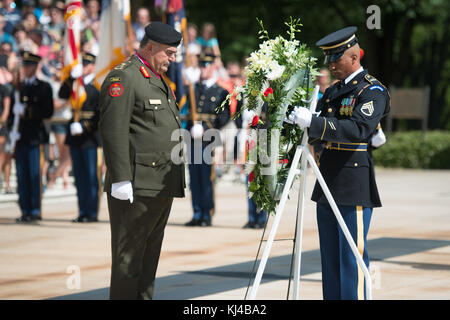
268 91
284 161
255 121
251 176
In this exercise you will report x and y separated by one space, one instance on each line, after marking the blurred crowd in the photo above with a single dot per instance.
38 27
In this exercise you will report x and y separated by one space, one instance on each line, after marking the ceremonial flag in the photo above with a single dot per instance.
115 24
72 54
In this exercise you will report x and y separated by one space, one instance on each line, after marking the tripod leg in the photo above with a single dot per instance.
279 212
299 228
343 226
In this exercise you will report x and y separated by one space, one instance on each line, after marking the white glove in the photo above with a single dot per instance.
379 139
19 108
14 136
197 131
301 116
122 190
77 71
76 128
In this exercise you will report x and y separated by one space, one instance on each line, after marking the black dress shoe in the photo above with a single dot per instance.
249 225
27 219
192 223
205 223
84 219
260 225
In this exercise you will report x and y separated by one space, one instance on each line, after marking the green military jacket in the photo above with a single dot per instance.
140 127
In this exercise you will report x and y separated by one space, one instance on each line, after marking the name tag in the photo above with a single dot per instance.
155 101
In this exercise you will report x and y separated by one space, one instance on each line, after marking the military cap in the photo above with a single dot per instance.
205 58
29 58
88 58
163 33
335 44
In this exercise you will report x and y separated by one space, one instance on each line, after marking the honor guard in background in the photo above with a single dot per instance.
350 112
84 142
208 95
35 105
139 126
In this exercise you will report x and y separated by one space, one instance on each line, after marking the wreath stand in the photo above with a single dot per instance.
303 157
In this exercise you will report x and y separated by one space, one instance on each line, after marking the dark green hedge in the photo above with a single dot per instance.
413 150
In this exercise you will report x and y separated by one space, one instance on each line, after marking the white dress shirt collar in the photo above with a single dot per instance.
350 77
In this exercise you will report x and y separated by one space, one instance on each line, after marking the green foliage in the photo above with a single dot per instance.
413 150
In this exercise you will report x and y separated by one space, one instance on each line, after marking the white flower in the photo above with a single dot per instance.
276 71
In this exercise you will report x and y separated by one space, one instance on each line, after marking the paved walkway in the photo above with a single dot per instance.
409 245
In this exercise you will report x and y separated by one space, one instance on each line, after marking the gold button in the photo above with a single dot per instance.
156 108
328 100
153 163
213 99
355 82
356 164
202 97
330 110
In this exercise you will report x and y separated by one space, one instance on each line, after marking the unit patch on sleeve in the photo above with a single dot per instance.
115 90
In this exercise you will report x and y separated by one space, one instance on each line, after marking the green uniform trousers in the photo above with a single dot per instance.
137 232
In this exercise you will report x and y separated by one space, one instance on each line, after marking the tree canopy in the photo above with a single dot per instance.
410 49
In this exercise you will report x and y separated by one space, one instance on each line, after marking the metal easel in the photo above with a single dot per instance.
302 157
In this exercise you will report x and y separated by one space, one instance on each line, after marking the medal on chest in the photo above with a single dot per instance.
347 105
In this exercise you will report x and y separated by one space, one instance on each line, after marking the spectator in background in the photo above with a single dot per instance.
7 49
29 6
44 16
62 112
5 36
91 33
23 42
5 110
55 29
208 39
12 15
92 12
194 47
323 81
142 20
209 43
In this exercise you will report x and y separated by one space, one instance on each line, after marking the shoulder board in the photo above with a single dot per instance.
122 65
370 79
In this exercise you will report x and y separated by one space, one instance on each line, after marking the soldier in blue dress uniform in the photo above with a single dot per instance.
209 95
84 142
350 112
35 105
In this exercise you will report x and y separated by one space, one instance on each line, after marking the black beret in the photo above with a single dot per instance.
334 44
29 58
88 58
163 33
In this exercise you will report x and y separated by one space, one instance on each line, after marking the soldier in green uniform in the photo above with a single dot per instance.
139 127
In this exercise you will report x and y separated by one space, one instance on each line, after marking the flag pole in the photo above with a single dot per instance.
192 102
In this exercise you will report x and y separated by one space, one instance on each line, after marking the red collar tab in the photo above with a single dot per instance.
145 72
147 64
